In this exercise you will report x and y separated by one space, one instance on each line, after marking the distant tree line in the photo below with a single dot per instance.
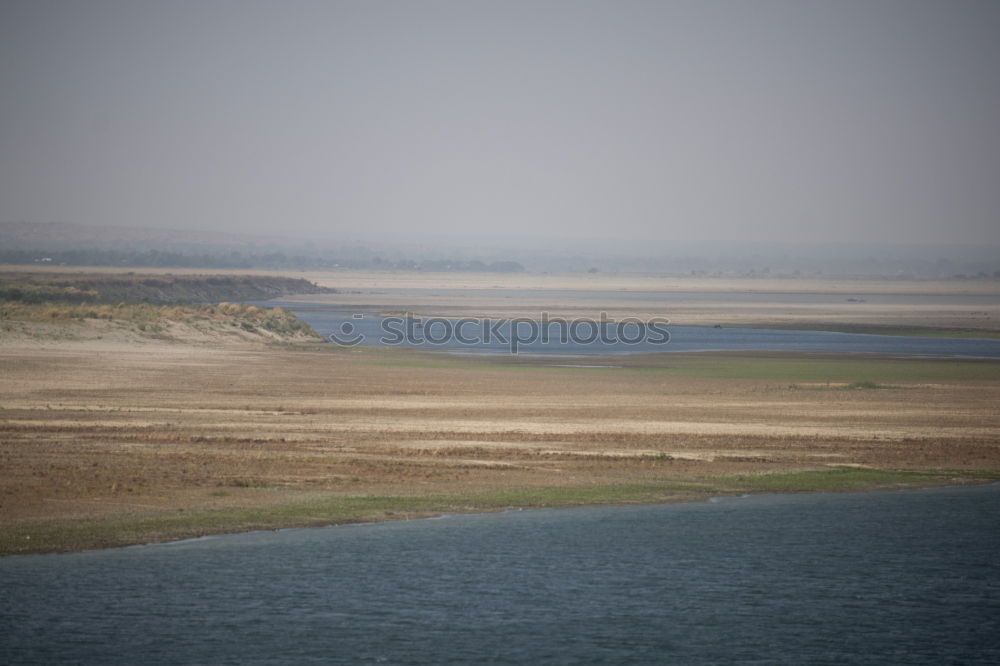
239 260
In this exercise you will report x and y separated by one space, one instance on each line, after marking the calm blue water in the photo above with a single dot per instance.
901 577
440 334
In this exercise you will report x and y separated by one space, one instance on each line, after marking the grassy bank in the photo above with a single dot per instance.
157 321
856 371
319 510
148 306
906 331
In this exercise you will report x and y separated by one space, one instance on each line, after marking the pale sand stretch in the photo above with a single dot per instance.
956 304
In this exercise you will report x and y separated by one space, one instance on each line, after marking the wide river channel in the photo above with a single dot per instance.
592 336
902 577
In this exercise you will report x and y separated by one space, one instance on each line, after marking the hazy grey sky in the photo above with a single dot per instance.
874 120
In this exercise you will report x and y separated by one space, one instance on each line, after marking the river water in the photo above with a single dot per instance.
894 577
593 337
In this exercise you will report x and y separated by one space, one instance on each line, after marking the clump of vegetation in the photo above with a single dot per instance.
45 293
866 384
276 320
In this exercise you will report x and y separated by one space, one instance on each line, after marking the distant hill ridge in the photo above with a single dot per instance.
162 289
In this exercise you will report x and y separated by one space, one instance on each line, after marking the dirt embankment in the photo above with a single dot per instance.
129 308
74 324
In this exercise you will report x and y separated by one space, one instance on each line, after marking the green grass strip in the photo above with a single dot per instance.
327 509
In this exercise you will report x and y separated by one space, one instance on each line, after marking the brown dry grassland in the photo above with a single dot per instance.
110 441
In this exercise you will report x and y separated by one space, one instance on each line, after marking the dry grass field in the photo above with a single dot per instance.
135 423
109 443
